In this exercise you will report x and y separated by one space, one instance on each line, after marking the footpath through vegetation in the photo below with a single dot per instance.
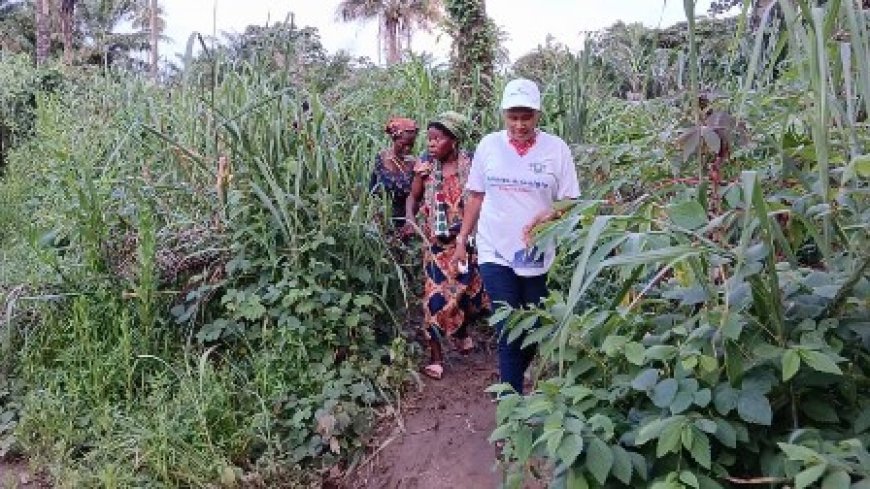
197 288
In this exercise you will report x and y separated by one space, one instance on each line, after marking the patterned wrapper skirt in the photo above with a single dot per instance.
451 301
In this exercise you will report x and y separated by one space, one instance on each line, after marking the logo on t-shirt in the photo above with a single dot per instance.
537 166
528 258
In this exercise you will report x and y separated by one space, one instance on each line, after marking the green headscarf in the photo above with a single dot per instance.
454 122
458 127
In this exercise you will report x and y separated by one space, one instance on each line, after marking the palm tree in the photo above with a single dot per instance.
149 18
398 19
99 20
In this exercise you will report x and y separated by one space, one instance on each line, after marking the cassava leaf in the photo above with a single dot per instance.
821 362
725 398
621 464
808 477
570 448
664 392
669 439
791 362
701 449
754 407
645 380
599 459
838 479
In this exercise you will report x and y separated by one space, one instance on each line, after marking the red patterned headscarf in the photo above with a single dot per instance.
398 125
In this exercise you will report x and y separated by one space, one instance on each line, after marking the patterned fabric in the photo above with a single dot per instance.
398 125
443 203
450 301
396 185
522 147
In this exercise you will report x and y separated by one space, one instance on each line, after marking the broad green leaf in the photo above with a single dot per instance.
570 448
689 140
754 407
506 406
701 449
733 362
689 479
821 362
799 453
501 433
635 353
858 167
702 397
725 398
599 459
791 362
645 380
819 409
621 464
708 364
661 352
807 477
554 441
733 324
725 433
664 392
838 479
669 439
687 436
650 431
638 462
613 344
681 402
706 425
576 479
601 425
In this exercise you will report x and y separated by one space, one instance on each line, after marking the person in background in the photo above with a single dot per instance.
517 176
453 293
394 170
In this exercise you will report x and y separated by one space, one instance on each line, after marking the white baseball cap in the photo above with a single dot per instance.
521 93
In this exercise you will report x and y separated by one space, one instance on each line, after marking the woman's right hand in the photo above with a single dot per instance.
460 255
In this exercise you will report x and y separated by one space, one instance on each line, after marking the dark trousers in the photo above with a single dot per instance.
505 286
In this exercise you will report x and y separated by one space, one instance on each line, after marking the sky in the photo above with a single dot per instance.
527 22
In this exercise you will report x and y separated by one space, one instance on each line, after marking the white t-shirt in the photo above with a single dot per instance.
517 189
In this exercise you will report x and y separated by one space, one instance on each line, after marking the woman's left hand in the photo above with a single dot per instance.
529 229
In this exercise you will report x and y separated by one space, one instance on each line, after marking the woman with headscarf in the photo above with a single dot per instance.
453 295
394 169
518 176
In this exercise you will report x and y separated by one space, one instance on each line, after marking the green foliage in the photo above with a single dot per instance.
133 241
690 325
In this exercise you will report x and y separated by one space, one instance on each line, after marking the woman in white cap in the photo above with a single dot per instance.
516 177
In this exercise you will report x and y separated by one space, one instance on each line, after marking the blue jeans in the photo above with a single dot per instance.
503 285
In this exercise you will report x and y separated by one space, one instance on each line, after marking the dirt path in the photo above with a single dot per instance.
446 425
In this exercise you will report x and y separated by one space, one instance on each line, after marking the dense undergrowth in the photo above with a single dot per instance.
197 289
